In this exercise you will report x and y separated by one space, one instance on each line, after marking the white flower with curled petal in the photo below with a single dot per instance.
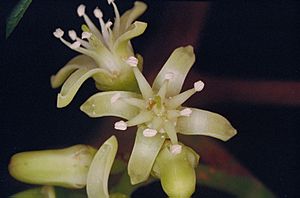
102 53
158 112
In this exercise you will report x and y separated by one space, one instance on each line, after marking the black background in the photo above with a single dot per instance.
252 40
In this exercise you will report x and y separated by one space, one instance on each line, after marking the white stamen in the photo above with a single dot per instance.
75 45
132 61
86 35
149 132
98 13
110 1
58 33
169 75
72 35
176 149
121 125
186 112
81 10
115 97
199 85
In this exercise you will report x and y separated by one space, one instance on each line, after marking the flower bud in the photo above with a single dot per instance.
176 171
60 167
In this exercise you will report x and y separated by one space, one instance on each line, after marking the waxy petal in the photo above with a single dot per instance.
80 61
143 156
97 177
179 64
131 15
100 105
73 83
122 46
202 122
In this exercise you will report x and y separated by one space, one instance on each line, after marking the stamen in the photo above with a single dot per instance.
175 149
169 75
81 10
171 131
98 13
86 35
121 125
186 112
199 85
132 61
178 100
149 132
58 33
115 97
75 45
72 35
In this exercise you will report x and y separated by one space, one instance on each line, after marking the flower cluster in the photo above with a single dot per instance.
102 53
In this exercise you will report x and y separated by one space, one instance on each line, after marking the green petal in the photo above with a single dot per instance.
75 63
73 83
131 15
100 105
202 122
122 46
143 156
41 192
179 63
98 174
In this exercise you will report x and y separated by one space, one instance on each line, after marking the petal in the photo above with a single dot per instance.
80 61
143 156
179 63
202 122
130 15
100 105
73 83
98 174
122 46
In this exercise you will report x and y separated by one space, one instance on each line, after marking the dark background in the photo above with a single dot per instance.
248 40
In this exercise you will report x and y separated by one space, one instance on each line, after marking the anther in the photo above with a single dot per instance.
199 85
72 35
121 125
75 45
115 97
149 132
81 10
169 75
175 149
97 12
86 35
108 24
186 112
132 61
58 33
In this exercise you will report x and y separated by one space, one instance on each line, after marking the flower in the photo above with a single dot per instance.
158 112
102 53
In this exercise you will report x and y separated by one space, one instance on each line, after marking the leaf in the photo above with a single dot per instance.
16 15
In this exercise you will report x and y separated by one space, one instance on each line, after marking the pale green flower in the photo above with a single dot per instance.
103 53
158 112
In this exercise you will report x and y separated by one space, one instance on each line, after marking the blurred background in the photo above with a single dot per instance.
247 54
